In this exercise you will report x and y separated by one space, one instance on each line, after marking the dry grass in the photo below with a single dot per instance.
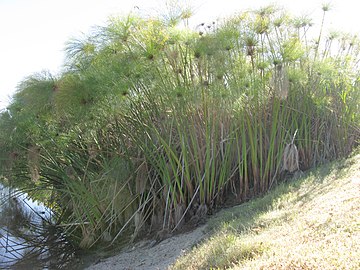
310 223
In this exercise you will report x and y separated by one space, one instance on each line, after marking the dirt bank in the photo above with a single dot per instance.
149 255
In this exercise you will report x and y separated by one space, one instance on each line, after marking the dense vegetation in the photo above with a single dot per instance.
151 126
310 223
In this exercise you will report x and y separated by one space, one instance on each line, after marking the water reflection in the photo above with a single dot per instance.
29 238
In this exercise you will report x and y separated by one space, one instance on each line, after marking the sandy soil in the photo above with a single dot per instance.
150 255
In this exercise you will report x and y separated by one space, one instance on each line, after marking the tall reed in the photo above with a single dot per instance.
152 127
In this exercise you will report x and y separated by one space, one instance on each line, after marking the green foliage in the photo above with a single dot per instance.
151 126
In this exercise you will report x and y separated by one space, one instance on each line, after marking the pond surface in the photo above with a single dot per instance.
29 238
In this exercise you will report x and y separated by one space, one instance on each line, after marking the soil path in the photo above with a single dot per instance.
148 255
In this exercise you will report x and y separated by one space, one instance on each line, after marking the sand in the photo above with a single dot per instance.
152 255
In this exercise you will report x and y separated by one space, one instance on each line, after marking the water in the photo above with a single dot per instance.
29 238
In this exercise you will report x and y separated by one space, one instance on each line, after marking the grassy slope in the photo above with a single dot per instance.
310 223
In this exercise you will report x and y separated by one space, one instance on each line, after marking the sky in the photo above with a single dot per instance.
33 33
